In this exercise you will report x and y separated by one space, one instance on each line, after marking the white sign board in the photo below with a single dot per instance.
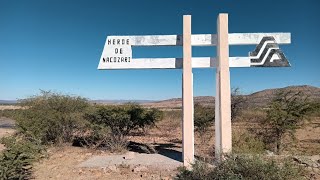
117 52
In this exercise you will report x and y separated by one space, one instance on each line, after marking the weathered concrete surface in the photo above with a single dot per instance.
151 161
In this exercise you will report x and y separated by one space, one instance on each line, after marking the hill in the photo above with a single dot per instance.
8 102
257 99
120 101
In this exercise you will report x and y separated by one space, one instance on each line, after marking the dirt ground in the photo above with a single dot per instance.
4 107
166 138
63 163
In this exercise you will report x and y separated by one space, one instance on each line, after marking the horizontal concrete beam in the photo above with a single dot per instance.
202 39
173 63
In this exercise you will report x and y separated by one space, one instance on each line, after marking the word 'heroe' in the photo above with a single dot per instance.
118 41
119 51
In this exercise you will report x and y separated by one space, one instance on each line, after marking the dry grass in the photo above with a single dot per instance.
9 107
250 115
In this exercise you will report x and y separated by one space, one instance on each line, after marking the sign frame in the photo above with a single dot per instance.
117 54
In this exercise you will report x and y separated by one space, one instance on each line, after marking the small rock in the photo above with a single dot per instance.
129 155
269 153
113 168
140 169
211 165
88 154
315 158
305 160
105 170
309 168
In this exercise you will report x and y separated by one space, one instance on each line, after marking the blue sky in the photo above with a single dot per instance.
56 45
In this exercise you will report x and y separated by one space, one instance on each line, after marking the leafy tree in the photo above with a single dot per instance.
238 102
287 112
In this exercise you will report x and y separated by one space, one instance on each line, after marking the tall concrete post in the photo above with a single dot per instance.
187 96
223 134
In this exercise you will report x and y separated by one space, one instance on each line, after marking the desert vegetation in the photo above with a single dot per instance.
287 112
243 167
203 119
265 145
53 119
271 130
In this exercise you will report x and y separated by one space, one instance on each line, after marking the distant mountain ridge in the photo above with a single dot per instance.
10 102
5 102
120 101
262 98
257 99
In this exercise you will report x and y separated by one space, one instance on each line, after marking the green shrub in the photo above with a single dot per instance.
16 160
51 117
243 167
117 143
10 113
238 103
244 142
200 170
173 115
203 118
287 112
92 136
109 125
252 115
123 119
99 136
315 106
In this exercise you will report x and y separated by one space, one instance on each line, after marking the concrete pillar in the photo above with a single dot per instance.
187 96
223 134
